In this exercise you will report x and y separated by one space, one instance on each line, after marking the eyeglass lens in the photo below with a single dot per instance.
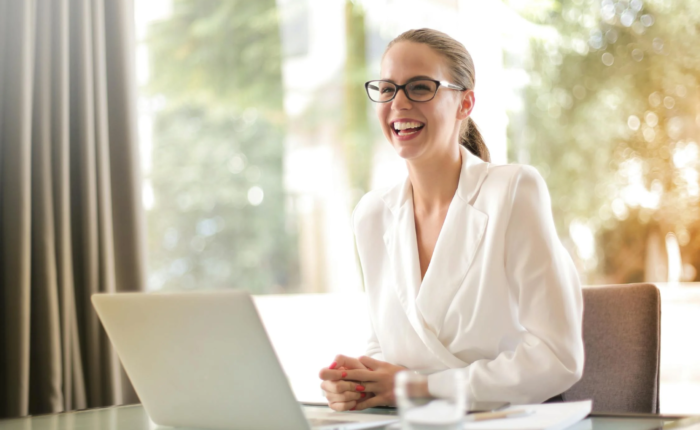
418 91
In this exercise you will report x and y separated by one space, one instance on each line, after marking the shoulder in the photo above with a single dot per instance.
372 207
371 204
510 172
511 185
514 179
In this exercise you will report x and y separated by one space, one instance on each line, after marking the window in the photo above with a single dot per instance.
258 139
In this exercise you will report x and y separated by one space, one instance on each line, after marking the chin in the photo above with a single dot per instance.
408 151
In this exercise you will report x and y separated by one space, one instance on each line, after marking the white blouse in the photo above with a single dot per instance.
501 296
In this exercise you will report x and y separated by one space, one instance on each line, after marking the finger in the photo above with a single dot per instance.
367 396
369 387
347 396
337 363
347 362
370 362
371 403
327 373
360 375
343 406
344 397
332 375
340 386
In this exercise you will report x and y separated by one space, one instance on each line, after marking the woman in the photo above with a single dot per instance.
461 261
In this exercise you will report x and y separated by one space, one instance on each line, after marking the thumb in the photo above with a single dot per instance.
371 363
370 403
346 363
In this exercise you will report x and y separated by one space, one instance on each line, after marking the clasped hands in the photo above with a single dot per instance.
359 383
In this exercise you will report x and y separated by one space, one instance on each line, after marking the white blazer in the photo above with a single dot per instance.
501 296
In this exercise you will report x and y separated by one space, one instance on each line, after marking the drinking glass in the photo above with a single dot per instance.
419 410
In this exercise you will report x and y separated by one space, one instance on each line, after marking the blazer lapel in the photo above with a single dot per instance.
425 303
459 239
402 248
400 241
456 247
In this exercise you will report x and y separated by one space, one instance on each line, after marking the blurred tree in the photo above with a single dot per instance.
611 121
219 215
357 137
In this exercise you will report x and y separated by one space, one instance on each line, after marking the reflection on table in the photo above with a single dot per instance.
134 417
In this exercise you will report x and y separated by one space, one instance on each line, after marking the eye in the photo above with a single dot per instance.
420 87
386 89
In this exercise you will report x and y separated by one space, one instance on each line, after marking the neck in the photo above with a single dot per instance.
435 180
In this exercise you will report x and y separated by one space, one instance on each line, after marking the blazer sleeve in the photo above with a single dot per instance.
547 292
374 350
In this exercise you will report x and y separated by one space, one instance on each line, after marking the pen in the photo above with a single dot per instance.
483 416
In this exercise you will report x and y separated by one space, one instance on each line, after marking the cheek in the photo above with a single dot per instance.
443 115
382 111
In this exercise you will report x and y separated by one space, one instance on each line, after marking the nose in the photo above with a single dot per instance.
400 101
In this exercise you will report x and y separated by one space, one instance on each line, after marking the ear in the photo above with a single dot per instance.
466 104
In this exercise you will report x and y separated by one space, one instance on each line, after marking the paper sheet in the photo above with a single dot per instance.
549 416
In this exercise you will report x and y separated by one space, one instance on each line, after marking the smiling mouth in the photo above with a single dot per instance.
406 128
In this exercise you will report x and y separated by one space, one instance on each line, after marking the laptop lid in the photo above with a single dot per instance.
200 359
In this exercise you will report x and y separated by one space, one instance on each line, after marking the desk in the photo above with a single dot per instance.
134 417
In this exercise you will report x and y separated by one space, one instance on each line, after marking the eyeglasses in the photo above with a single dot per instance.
418 90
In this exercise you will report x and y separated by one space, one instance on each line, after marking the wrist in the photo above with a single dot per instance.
419 386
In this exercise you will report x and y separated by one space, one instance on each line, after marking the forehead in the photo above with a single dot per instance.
405 60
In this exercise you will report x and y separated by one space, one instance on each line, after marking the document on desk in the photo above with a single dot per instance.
548 416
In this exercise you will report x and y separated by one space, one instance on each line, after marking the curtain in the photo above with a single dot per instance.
71 222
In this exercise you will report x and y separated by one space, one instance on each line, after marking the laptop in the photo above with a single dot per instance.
203 359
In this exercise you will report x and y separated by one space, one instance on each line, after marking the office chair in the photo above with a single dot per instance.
621 335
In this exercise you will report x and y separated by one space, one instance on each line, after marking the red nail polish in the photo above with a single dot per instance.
332 366
363 395
344 374
352 409
360 388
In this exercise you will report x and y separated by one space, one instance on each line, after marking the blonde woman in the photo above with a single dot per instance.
461 260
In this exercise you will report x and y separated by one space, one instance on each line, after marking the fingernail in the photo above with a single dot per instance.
363 395
352 409
360 388
332 366
344 374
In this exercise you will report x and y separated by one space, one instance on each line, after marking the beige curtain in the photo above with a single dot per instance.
71 222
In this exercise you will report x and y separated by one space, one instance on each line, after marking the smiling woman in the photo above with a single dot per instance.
462 265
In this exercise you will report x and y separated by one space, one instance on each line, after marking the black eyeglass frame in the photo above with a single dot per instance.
439 84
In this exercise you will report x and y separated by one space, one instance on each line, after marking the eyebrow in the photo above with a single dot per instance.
415 78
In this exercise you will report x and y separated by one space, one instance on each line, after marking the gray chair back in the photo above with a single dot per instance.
621 335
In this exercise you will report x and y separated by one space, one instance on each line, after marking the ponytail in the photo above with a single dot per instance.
470 138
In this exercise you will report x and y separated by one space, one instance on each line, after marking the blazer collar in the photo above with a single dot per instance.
471 177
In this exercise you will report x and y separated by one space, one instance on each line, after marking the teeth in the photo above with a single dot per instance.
404 125
406 133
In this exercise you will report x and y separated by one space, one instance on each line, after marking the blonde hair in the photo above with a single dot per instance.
462 67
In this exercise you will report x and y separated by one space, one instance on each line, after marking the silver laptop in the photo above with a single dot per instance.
203 359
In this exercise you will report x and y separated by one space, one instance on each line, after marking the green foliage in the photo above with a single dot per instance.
216 70
612 98
218 53
357 135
